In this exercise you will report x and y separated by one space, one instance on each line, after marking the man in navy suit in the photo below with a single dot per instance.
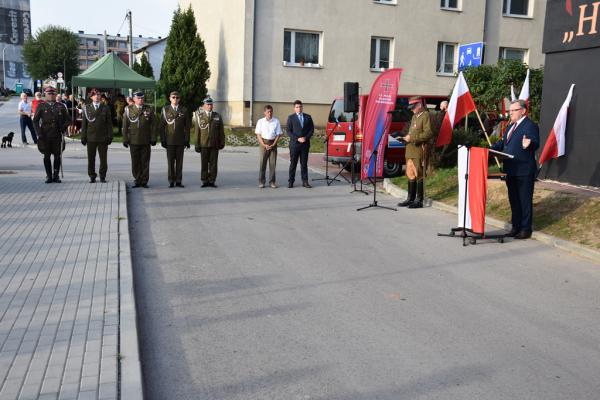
521 139
300 129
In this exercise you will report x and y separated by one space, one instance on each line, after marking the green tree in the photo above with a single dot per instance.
51 50
184 66
489 84
144 67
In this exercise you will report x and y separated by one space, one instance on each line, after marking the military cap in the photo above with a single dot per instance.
415 100
50 90
94 92
207 100
139 93
174 93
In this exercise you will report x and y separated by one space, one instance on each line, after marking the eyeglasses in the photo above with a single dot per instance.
516 109
175 97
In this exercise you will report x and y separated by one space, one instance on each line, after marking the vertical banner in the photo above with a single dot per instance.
377 119
472 188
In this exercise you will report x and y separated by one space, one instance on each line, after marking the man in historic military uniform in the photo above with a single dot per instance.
97 134
175 136
139 132
419 135
51 121
210 138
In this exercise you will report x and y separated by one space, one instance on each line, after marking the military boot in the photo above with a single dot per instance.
56 177
412 185
48 167
418 203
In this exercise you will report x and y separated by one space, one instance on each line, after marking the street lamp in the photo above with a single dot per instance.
4 65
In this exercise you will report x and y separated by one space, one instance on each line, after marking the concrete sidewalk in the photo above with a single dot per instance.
67 312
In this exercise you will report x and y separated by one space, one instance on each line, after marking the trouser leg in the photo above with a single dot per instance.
48 164
91 153
145 164
272 164
179 164
204 158
512 185
213 165
305 148
294 156
526 185
31 129
23 124
135 151
263 155
171 150
103 155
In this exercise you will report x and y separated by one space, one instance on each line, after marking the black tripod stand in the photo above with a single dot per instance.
327 179
374 183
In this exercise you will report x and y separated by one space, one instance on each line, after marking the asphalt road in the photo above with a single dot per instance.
283 293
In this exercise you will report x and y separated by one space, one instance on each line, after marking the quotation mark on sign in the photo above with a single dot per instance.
568 37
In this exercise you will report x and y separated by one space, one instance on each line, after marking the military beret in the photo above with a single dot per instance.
139 93
50 90
207 100
174 93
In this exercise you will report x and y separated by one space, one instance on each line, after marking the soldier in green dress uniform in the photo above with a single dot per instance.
97 134
210 135
51 121
417 139
175 136
139 133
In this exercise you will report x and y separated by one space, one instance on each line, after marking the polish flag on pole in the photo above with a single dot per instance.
461 105
513 96
524 95
555 144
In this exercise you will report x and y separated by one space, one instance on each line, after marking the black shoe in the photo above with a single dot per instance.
205 184
103 180
306 185
172 184
212 184
416 204
136 185
290 184
523 235
145 186
513 232
179 184
56 179
92 180
48 180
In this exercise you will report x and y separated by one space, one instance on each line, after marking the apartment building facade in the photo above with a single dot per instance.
94 46
276 51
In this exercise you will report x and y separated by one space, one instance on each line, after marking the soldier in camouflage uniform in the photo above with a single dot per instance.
97 134
210 135
419 135
175 136
51 121
139 133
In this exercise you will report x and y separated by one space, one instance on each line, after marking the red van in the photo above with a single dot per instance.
339 131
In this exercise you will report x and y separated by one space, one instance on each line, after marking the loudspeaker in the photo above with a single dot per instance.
350 96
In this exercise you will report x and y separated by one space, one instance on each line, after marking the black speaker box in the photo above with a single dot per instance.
350 96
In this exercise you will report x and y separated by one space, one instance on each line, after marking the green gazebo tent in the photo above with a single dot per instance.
111 72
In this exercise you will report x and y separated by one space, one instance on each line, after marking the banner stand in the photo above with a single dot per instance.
467 233
373 181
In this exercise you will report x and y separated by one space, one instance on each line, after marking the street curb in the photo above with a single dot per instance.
561 244
130 368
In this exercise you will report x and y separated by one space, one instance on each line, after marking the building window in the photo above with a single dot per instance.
507 53
445 64
449 4
515 7
301 48
385 1
380 53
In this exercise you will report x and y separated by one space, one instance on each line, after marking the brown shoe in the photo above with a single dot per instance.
273 185
306 185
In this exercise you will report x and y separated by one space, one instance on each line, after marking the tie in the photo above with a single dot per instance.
96 106
209 114
512 129
301 118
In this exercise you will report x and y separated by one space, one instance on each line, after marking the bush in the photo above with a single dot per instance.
446 156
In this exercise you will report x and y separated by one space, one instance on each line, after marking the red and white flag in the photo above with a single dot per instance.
524 95
472 192
461 105
513 96
555 144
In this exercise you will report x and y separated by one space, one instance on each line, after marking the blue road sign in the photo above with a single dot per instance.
470 55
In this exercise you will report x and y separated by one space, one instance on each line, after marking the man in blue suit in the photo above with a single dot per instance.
521 139
300 129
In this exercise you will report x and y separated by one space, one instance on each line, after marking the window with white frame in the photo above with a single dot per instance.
515 7
508 53
301 48
445 64
380 53
449 4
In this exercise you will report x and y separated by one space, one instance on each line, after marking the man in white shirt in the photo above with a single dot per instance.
25 119
268 131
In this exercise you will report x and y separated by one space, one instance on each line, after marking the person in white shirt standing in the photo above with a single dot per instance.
268 131
25 119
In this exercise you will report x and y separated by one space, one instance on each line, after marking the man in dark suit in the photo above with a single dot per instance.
521 139
300 129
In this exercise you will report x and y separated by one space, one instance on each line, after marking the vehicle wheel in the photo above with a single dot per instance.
391 169
348 167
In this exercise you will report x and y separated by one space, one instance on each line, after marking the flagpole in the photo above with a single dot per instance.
486 135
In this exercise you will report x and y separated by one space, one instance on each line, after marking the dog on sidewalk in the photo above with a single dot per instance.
7 140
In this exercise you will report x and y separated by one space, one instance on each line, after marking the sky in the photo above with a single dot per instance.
151 18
